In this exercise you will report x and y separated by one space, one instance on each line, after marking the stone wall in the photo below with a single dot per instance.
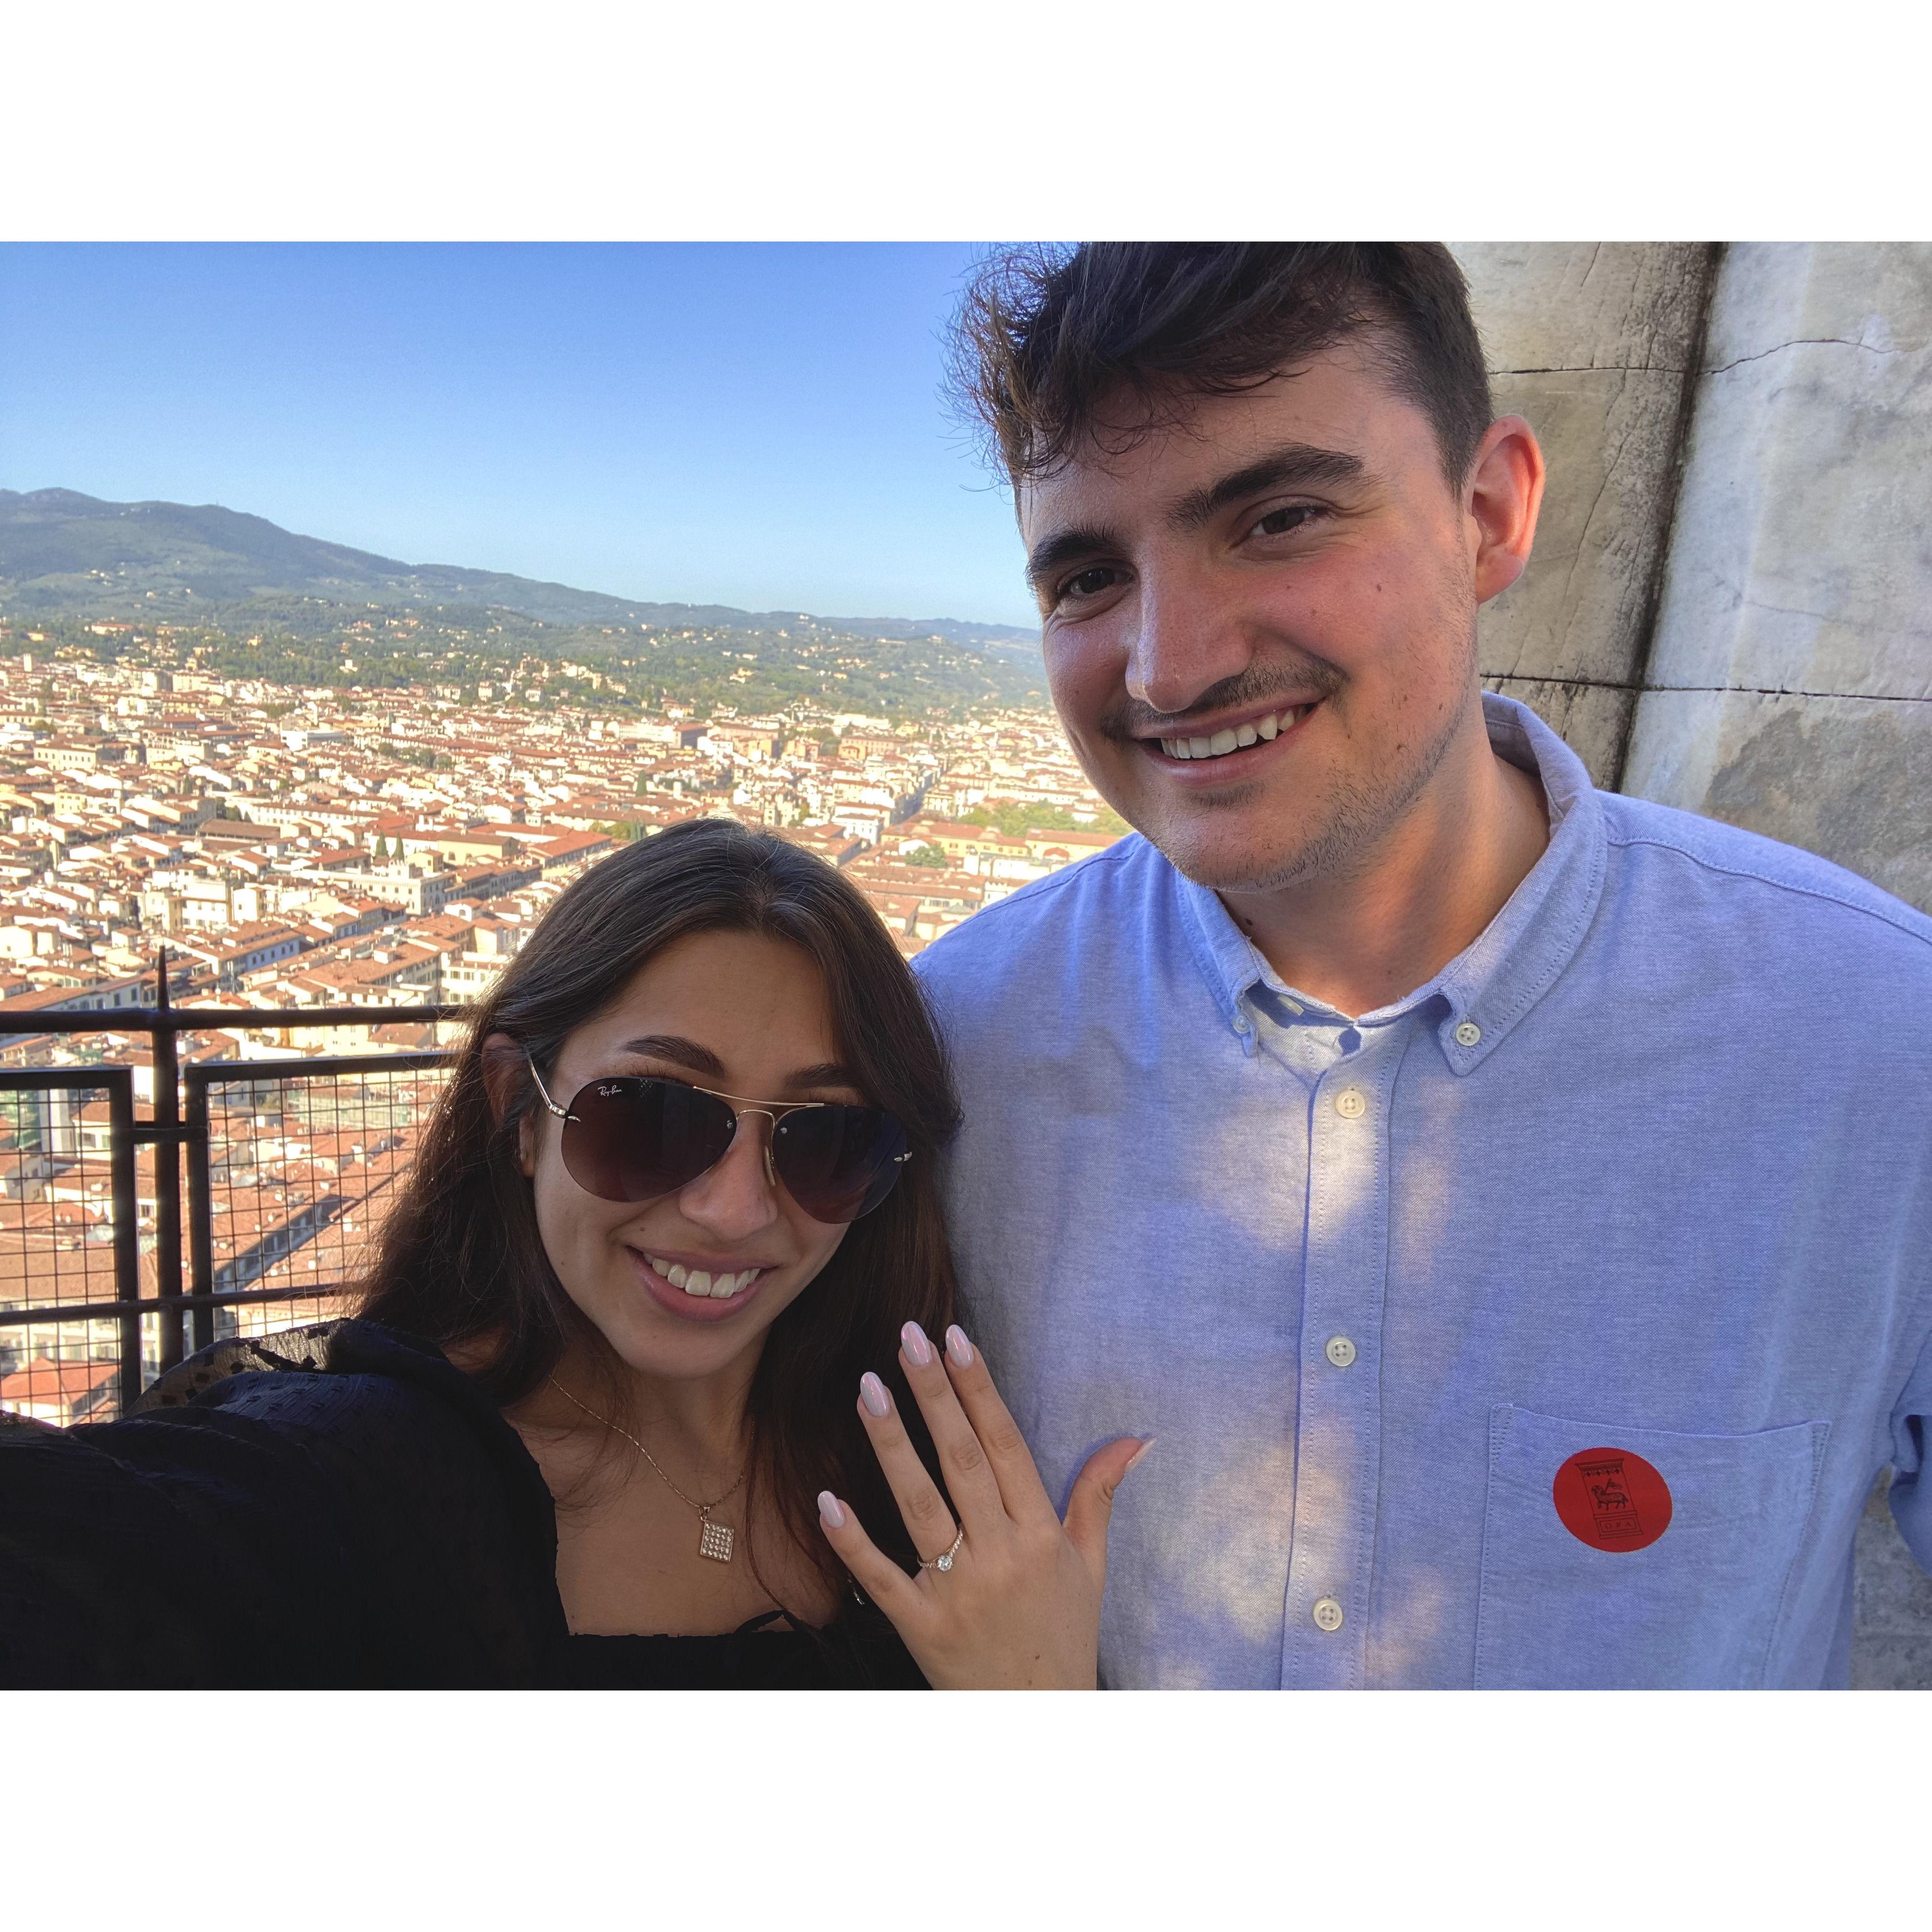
1729 607
1789 683
1595 343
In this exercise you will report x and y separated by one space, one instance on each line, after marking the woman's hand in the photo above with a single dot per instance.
1018 1606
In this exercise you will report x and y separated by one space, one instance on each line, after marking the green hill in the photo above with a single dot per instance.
256 599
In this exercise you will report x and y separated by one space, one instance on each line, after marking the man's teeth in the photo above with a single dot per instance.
698 1281
1238 740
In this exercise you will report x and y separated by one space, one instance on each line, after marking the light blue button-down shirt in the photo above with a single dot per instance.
1647 1168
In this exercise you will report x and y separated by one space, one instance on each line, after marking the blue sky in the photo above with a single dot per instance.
741 424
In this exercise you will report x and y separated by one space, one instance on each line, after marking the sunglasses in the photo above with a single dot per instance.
630 1138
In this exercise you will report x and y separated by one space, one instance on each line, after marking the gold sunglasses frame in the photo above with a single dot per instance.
774 1110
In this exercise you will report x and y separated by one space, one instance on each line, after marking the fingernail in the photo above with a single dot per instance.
872 1393
829 1513
958 1347
1138 1453
919 1350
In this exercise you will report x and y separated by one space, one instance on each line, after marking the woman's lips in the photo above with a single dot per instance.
698 1282
693 1294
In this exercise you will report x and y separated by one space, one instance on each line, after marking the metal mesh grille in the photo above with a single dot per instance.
303 1167
57 1249
291 1166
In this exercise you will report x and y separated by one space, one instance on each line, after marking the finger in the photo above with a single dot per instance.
1089 1509
877 1574
928 1521
1011 1461
970 1480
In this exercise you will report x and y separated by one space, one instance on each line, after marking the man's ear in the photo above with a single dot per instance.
504 1063
1503 494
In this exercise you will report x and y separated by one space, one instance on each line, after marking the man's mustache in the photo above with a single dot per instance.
1312 680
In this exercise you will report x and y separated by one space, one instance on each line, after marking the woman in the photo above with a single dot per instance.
645 1374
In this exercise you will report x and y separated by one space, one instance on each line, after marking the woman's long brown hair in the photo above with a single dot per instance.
461 1263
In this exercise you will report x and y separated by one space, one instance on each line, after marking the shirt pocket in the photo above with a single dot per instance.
1697 1609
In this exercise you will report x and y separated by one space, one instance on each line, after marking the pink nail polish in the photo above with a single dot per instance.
872 1393
919 1350
958 1347
829 1513
1140 1452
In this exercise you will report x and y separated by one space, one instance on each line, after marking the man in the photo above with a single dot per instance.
1509 1204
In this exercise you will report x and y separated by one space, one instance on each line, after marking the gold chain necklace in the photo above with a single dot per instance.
714 1539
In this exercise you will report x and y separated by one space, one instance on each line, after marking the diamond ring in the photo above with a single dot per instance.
946 1562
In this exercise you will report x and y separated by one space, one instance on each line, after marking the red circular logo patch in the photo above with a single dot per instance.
1611 1500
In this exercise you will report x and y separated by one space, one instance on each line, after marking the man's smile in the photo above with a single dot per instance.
1233 746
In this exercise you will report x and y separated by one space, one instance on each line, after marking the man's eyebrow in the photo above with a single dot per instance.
1050 553
680 1052
1299 464
1302 464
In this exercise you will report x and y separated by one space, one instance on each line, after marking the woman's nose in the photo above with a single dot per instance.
738 1194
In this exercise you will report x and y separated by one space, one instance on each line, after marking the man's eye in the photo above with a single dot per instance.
1283 522
1089 583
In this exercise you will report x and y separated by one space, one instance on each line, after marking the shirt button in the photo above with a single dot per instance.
1340 1350
1241 1022
1328 1614
1469 1034
1350 1104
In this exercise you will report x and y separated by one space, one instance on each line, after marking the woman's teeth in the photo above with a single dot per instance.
1238 740
697 1281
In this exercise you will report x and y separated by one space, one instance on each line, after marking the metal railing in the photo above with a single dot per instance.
291 1165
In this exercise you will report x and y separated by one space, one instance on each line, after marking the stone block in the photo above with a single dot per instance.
1552 307
1802 556
1899 1662
1579 609
1891 1620
1591 343
1850 778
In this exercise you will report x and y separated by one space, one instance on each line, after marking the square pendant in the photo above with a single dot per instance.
714 1540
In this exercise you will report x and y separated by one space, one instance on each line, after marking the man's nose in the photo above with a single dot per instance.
1182 643
736 1196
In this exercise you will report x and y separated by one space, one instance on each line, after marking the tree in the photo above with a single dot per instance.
1014 816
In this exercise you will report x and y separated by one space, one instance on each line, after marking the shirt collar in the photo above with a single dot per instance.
1489 986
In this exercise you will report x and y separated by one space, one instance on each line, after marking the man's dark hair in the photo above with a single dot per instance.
1046 338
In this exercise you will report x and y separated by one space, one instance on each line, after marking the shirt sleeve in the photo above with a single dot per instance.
192 1548
1911 1482
291 1529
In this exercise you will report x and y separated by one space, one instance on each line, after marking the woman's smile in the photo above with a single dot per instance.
698 1289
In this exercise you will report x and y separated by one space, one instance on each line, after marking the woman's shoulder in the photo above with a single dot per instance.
389 1364
372 1401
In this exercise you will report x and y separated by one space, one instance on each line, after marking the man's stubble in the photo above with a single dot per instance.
1362 810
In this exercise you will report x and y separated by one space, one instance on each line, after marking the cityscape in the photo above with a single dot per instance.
287 846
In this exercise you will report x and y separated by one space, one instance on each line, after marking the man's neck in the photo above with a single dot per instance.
1427 890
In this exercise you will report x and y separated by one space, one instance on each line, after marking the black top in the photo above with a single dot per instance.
336 1507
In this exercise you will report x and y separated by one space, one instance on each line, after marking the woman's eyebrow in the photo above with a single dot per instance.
679 1051
827 1073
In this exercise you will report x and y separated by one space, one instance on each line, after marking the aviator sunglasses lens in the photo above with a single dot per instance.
839 1162
634 1140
